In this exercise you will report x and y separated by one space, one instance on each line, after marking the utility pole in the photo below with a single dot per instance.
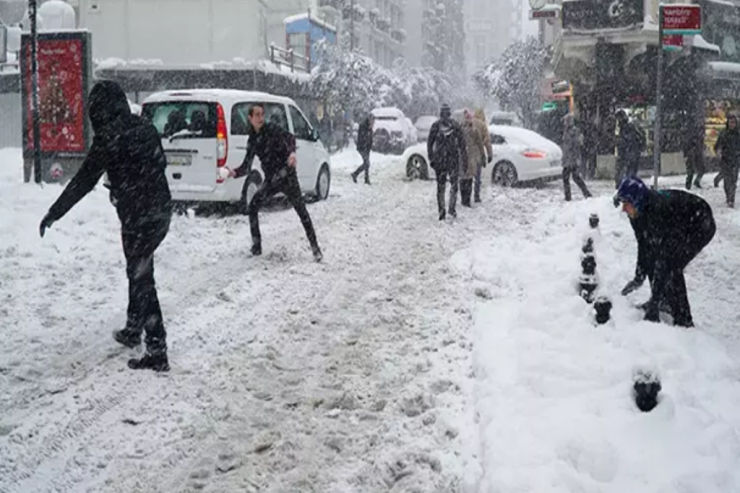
658 97
352 26
32 13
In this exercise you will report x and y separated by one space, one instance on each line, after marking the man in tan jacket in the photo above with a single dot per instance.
481 116
478 147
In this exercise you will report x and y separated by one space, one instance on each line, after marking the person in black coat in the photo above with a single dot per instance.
693 151
446 151
671 227
571 155
364 146
276 150
728 148
128 148
630 144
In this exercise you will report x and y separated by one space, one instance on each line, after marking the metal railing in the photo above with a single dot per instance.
287 57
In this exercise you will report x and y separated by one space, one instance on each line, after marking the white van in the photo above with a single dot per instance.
205 130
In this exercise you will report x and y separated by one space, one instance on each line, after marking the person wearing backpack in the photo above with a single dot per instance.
630 144
446 151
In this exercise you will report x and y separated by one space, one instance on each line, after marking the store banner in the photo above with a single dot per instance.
587 16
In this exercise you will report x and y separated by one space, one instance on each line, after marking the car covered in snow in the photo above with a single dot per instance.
393 132
423 125
519 156
204 132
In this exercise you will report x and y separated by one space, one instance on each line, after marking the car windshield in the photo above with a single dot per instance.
187 119
386 118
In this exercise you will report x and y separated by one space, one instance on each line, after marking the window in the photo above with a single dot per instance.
172 117
274 113
300 125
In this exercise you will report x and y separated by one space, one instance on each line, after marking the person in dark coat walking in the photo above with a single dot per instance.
571 156
728 148
671 227
276 149
446 151
128 148
364 146
630 144
693 152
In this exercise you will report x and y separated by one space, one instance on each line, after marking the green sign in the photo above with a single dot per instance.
549 106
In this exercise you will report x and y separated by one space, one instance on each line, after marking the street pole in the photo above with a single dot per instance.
658 95
352 27
32 13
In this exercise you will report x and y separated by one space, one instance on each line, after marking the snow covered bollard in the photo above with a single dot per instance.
593 221
603 308
587 281
646 387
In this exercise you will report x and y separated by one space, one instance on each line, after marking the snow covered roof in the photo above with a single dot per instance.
216 95
703 44
394 112
312 18
725 67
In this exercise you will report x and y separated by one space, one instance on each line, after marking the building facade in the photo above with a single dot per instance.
437 36
376 27
490 26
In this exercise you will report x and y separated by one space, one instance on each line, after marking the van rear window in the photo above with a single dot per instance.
190 119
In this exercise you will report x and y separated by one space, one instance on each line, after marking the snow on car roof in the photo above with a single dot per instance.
216 95
394 112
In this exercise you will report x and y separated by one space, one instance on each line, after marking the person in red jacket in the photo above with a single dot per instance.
276 149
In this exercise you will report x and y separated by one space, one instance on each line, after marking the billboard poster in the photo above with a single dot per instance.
63 61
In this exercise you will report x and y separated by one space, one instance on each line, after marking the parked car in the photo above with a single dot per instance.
519 156
205 130
393 131
507 118
423 125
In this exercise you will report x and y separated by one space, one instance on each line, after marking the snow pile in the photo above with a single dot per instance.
554 391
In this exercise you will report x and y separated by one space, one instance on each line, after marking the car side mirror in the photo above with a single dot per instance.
314 135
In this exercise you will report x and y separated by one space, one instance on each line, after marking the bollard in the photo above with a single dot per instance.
588 264
646 388
588 287
603 307
588 245
593 221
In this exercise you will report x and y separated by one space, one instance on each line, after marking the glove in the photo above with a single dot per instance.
633 286
46 222
490 158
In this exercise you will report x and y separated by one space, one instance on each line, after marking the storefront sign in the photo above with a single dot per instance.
582 16
543 14
681 19
64 76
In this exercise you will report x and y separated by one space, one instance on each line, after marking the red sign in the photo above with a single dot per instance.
672 42
681 19
61 95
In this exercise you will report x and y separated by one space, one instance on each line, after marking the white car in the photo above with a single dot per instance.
392 132
423 124
519 156
204 132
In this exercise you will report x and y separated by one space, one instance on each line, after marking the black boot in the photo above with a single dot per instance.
155 357
128 337
256 249
317 255
442 215
477 199
354 177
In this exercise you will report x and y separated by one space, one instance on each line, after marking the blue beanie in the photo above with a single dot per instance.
634 191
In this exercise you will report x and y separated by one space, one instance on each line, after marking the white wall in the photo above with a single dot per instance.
178 32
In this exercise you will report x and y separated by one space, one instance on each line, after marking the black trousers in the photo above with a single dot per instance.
694 165
365 166
443 175
569 173
668 284
624 169
285 182
144 313
729 173
466 191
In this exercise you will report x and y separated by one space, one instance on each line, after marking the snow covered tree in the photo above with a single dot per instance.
515 78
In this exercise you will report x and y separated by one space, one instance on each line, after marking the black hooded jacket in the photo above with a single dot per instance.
129 149
365 137
672 226
446 145
728 143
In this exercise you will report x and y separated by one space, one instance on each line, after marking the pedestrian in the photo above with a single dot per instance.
728 148
446 150
571 157
671 227
693 151
128 148
364 146
630 144
481 117
276 149
474 134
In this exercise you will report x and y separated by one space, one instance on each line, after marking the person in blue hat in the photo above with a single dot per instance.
671 227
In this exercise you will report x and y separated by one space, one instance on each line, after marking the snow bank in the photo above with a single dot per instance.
554 391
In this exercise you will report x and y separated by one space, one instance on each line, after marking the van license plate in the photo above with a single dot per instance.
179 160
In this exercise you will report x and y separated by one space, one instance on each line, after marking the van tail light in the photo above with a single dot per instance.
222 142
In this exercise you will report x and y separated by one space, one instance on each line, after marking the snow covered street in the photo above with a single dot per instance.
418 357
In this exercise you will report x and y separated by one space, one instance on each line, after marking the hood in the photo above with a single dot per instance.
108 103
727 124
